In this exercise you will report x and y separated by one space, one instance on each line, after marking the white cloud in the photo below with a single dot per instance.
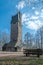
20 5
42 10
33 0
41 14
33 8
34 17
33 25
24 3
25 17
36 12
39 23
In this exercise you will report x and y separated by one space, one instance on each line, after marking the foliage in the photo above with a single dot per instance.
12 61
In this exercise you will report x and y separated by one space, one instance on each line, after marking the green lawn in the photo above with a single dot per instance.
13 61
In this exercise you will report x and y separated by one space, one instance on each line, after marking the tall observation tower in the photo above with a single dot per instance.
16 34
16 28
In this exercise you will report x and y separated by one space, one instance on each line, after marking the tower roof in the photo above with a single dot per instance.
15 18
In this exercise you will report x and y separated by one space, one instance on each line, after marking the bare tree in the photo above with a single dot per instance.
41 34
39 38
28 40
5 37
0 36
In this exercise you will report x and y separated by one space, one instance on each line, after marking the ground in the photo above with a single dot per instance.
18 58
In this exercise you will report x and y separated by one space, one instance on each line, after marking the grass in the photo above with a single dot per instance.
13 61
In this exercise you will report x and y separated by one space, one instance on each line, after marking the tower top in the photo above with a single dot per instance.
16 18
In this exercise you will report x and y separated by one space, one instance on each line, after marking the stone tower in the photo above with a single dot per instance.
16 34
16 29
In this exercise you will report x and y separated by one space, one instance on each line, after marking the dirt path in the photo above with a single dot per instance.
18 55
4 54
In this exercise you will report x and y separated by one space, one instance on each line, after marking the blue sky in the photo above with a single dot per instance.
7 9
32 14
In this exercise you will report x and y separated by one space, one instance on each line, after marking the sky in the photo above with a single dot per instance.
32 14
